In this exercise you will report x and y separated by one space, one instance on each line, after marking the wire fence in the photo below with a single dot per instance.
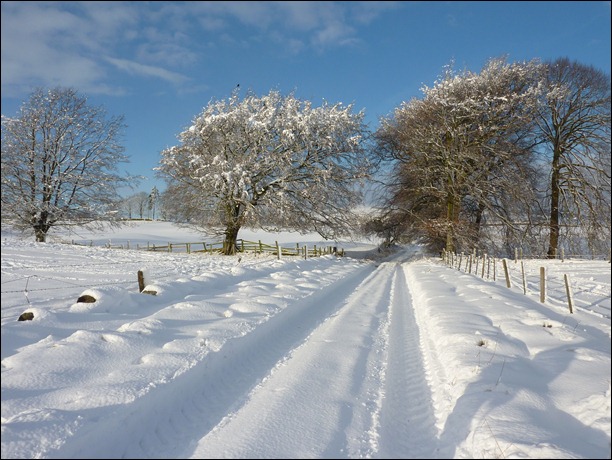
544 277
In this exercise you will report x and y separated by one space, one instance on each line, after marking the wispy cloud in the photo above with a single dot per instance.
80 44
135 68
291 23
49 43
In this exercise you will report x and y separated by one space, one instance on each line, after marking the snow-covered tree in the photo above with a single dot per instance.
267 162
462 150
59 163
152 201
135 206
574 125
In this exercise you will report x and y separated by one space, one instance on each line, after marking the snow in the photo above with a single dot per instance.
249 356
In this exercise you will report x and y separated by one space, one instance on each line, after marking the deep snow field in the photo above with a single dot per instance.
370 355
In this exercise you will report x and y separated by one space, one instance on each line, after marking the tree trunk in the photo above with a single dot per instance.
234 220
452 218
41 227
230 243
555 191
478 222
450 246
41 236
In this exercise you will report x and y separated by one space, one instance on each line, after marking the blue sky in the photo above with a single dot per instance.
160 63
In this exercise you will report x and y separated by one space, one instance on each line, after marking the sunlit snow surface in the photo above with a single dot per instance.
253 357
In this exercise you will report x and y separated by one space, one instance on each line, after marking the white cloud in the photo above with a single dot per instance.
135 68
48 44
322 24
338 34
73 43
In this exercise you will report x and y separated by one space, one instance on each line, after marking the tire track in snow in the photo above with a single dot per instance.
242 400
407 421
196 401
329 418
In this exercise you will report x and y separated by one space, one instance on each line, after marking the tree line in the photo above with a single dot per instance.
516 154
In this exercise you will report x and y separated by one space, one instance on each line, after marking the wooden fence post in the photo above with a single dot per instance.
542 284
278 251
141 284
524 280
494 269
505 264
568 290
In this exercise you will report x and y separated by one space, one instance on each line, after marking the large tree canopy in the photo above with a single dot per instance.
59 163
462 152
574 126
265 162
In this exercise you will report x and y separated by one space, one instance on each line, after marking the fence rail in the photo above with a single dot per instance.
242 246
